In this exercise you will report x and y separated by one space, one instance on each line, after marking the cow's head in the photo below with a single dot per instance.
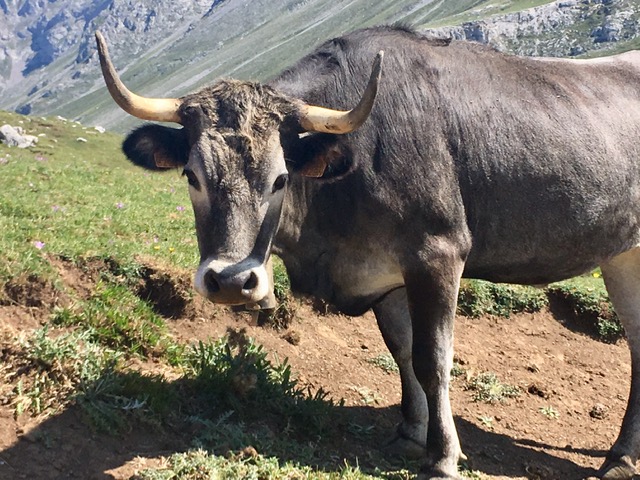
232 149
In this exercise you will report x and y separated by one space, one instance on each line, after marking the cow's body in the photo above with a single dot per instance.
535 162
471 163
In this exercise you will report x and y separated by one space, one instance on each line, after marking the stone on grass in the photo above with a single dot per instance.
15 137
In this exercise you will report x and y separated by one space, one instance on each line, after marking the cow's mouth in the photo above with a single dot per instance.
249 282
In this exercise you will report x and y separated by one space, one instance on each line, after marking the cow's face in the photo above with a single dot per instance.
231 155
237 187
231 150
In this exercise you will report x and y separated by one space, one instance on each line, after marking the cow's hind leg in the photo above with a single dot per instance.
622 278
392 314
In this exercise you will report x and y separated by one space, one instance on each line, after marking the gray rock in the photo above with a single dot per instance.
15 137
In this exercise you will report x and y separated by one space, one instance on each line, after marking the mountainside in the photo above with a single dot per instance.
48 63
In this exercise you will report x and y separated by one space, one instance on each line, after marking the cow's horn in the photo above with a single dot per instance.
158 109
325 120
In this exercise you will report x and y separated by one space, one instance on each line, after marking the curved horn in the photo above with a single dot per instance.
158 109
326 120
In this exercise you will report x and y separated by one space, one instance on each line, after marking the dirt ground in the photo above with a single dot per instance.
558 369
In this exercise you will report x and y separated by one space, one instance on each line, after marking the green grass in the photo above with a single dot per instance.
477 298
199 465
84 199
446 12
118 319
487 388
584 302
588 305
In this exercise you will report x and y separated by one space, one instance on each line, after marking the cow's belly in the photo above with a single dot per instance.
547 259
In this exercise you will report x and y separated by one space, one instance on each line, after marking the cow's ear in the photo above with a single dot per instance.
156 147
319 155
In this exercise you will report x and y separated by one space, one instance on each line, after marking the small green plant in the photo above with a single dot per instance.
486 420
367 396
486 387
468 473
457 370
549 412
386 362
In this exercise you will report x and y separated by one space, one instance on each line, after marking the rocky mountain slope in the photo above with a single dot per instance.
48 63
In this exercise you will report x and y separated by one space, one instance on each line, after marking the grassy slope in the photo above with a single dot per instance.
83 199
443 12
255 41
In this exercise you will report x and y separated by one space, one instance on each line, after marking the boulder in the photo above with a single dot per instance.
15 137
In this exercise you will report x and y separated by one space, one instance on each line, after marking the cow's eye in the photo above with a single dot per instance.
280 182
191 178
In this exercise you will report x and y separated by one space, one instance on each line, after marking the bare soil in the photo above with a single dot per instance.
558 368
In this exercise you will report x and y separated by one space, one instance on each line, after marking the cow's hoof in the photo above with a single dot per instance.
437 475
442 470
405 447
619 469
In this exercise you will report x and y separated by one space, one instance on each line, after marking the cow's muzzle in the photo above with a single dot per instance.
245 283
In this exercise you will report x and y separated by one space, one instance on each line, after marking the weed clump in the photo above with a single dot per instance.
385 362
49 371
486 387
234 374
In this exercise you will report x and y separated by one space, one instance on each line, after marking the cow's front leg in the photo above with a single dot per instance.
432 291
392 314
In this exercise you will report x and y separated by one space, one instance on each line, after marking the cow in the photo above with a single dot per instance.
456 161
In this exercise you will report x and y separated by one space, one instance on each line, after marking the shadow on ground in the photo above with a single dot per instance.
65 447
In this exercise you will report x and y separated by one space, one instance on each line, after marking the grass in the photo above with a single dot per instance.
588 303
49 370
385 362
454 13
477 298
199 465
117 319
83 199
584 300
487 388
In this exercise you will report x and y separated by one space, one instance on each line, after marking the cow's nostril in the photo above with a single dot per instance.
251 283
211 282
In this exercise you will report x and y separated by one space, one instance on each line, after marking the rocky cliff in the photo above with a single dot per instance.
48 63
564 28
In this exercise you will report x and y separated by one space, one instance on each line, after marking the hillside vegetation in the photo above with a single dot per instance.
48 63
